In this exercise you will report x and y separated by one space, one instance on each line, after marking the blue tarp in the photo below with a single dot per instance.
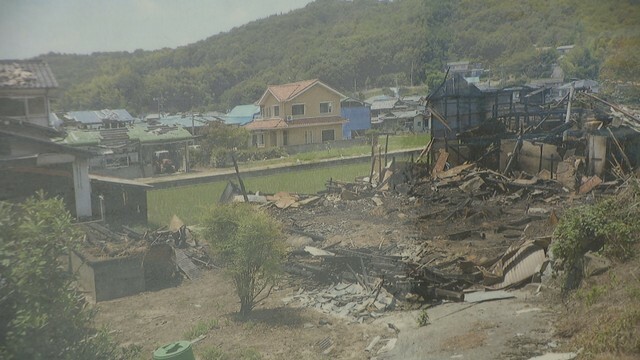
359 119
241 114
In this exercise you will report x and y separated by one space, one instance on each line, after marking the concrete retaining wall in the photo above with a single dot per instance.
193 178
109 278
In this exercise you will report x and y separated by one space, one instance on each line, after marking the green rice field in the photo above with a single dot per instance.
189 202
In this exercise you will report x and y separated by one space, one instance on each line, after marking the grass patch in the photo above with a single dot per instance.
396 142
201 328
213 353
189 202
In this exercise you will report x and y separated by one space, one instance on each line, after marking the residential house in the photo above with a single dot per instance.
408 120
29 159
25 89
32 158
242 114
305 112
100 119
385 104
358 115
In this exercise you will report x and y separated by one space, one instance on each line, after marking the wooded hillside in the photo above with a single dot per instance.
359 45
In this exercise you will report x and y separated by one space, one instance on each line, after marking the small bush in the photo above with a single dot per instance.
221 157
248 242
423 318
610 225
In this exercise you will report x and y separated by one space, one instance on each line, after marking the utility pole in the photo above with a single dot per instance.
160 101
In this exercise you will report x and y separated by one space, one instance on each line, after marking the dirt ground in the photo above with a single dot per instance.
403 224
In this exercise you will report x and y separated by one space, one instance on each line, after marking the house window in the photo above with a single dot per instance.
285 137
297 109
326 108
308 137
328 135
12 107
257 140
276 110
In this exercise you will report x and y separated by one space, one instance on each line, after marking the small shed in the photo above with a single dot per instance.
119 201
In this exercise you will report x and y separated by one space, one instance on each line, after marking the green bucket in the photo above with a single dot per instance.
180 350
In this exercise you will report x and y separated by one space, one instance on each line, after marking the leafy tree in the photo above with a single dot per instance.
348 44
580 63
220 138
248 242
41 315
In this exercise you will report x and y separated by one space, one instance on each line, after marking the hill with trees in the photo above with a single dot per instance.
358 45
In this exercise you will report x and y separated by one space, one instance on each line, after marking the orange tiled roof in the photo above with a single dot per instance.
281 124
266 124
286 92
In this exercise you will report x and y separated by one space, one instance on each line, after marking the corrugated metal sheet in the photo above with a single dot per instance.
97 116
384 104
522 265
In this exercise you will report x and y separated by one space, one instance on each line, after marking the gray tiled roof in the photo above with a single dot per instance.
26 74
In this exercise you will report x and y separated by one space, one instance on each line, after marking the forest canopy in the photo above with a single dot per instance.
358 45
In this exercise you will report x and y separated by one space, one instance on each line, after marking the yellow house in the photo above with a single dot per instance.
305 112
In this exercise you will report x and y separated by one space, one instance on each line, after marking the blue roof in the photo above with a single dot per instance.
242 114
97 116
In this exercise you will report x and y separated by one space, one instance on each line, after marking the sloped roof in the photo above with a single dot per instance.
244 110
384 104
142 132
406 114
38 134
185 121
98 116
287 92
241 114
266 124
26 74
281 124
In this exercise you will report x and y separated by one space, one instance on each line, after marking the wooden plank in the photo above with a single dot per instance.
441 162
186 265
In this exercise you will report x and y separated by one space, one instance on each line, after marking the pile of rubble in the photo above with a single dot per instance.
350 301
102 242
465 230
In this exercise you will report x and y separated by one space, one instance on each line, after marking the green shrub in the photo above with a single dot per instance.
423 318
611 226
249 243
221 157
42 316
